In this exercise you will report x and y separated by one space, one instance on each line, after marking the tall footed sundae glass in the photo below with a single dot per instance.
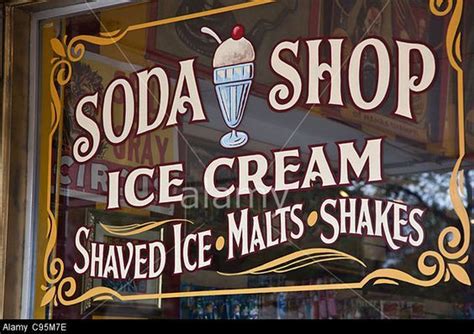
233 75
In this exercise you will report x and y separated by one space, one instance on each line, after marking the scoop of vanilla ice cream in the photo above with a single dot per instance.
232 52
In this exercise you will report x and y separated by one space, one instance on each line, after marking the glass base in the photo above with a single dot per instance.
234 139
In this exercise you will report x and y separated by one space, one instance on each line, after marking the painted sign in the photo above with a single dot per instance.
122 150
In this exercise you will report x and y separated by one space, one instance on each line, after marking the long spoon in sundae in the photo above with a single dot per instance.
233 75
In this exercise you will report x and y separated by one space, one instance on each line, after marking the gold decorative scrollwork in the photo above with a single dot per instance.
297 260
433 265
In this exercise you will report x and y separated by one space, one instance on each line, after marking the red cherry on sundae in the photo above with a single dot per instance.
238 32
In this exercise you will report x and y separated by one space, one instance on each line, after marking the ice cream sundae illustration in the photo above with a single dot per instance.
233 74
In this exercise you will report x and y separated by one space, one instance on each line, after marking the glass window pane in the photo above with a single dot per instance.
124 80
